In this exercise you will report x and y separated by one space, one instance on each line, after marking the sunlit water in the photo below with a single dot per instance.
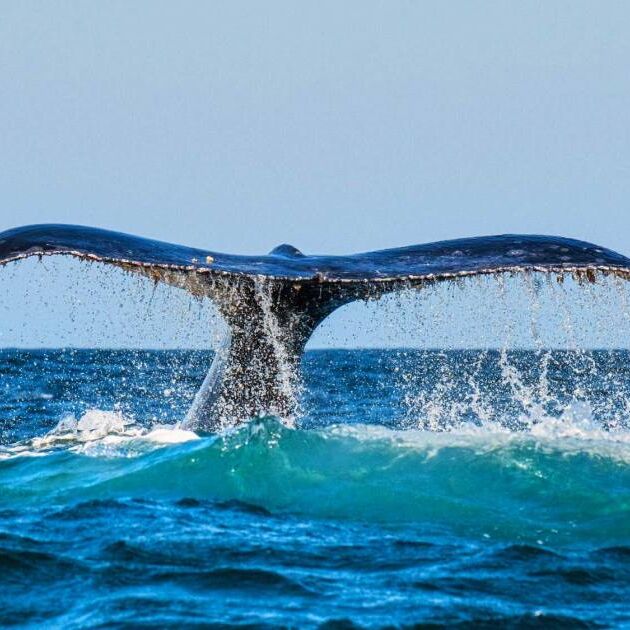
419 487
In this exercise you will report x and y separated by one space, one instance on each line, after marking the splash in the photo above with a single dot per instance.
545 344
502 316
287 374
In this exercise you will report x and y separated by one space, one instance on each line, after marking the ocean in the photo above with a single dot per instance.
415 488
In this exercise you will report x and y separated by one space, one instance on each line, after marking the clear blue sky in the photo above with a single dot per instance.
336 126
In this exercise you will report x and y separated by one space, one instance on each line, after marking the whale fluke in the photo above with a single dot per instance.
273 303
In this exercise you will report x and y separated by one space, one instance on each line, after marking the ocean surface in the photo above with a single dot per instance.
415 488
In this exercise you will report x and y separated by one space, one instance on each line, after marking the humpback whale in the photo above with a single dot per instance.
273 303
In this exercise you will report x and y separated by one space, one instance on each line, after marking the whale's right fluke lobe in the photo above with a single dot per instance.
273 303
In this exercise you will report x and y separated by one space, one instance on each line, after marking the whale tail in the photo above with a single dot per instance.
273 303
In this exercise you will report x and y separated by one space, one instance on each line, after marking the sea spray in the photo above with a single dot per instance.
530 310
289 382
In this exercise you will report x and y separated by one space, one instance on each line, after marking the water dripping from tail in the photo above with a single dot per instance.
536 352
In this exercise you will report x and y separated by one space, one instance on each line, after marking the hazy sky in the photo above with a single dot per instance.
336 126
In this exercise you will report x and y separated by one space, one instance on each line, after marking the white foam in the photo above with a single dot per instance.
101 433
170 435
574 431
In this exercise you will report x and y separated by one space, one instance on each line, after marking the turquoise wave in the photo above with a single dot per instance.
483 483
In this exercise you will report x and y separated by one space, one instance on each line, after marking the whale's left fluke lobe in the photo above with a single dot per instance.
96 244
275 301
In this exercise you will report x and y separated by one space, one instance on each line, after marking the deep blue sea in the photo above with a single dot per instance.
416 489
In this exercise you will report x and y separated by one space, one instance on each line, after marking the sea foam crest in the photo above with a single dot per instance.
101 433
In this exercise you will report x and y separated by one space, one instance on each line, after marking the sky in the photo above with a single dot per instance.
335 126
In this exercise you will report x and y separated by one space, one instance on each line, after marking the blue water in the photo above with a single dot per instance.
418 487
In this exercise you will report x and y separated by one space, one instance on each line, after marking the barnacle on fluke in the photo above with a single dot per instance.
273 303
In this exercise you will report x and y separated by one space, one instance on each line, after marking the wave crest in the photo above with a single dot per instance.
550 483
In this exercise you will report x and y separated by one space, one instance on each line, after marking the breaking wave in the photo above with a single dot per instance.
562 481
